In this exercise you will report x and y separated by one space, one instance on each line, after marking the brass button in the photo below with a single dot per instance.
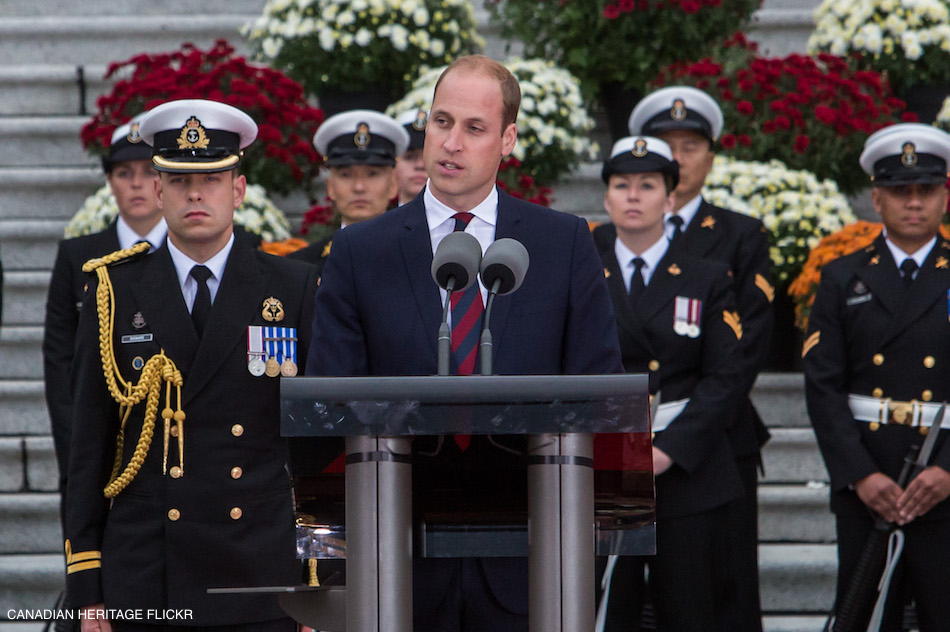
236 472
654 365
174 514
874 426
236 513
878 392
175 472
174 430
927 395
878 359
237 430
929 362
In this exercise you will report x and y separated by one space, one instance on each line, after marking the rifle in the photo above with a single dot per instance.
864 600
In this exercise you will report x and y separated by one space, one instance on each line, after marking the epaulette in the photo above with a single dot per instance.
119 256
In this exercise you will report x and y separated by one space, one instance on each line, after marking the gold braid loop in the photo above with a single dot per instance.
159 368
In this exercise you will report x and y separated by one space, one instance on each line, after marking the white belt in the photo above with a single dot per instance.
667 412
874 410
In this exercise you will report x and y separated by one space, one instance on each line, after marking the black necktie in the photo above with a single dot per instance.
202 307
677 222
908 268
636 281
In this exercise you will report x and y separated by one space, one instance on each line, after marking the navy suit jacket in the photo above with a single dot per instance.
378 313
378 310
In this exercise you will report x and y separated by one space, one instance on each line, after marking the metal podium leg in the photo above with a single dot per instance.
560 533
378 534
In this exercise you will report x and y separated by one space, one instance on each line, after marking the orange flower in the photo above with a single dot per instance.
284 248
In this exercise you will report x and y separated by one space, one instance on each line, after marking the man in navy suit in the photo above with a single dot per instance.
378 309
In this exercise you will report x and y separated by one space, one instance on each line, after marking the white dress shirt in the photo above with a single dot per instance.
651 257
184 264
128 237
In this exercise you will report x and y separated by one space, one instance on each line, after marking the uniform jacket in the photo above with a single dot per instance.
229 527
315 254
867 335
741 243
63 303
378 313
703 369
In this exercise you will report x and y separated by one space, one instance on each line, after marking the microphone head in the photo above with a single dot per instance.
457 256
505 260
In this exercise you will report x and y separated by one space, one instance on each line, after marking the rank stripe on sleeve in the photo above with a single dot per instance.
732 319
811 342
762 283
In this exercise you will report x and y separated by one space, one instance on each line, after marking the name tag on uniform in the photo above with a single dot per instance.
136 338
857 300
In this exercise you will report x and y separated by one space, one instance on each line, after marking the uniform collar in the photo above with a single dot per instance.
688 212
128 237
899 255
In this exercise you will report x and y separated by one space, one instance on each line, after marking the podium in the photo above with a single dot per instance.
387 514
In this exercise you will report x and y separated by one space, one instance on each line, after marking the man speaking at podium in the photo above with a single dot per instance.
378 311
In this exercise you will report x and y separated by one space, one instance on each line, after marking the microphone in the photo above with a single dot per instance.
503 269
454 268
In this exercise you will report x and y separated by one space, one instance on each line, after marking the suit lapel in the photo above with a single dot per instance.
931 285
238 299
158 295
704 231
665 283
417 255
507 224
881 276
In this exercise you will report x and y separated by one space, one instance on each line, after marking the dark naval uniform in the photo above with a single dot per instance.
316 254
869 336
63 303
222 516
692 495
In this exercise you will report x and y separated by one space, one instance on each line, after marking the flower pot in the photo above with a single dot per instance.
618 102
334 101
925 99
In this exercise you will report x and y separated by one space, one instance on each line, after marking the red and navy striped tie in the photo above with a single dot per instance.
467 311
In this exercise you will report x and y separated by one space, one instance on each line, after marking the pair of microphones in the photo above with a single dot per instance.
457 263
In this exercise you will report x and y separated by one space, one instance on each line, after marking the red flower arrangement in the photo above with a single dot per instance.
281 160
515 182
810 113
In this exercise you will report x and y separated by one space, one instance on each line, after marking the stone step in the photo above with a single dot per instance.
43 141
30 581
777 623
781 31
28 88
82 38
30 244
27 464
20 8
49 193
795 513
779 399
792 456
20 353
31 523
24 297
23 409
798 578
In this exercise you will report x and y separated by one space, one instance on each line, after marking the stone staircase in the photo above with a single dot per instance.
52 59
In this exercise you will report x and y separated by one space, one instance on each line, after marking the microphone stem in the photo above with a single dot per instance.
485 346
444 345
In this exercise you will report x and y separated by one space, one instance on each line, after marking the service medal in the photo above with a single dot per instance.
256 367
272 367
288 368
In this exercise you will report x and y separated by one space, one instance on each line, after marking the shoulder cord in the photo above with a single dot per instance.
159 368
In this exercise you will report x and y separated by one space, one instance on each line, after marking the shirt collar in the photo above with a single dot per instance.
184 263
438 213
687 212
128 237
919 257
651 257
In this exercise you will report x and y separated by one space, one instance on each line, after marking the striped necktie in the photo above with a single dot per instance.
467 311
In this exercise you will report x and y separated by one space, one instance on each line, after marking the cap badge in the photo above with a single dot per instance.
273 310
909 157
193 135
678 113
640 148
361 138
133 136
422 118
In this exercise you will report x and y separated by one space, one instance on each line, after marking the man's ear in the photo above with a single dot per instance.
508 139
